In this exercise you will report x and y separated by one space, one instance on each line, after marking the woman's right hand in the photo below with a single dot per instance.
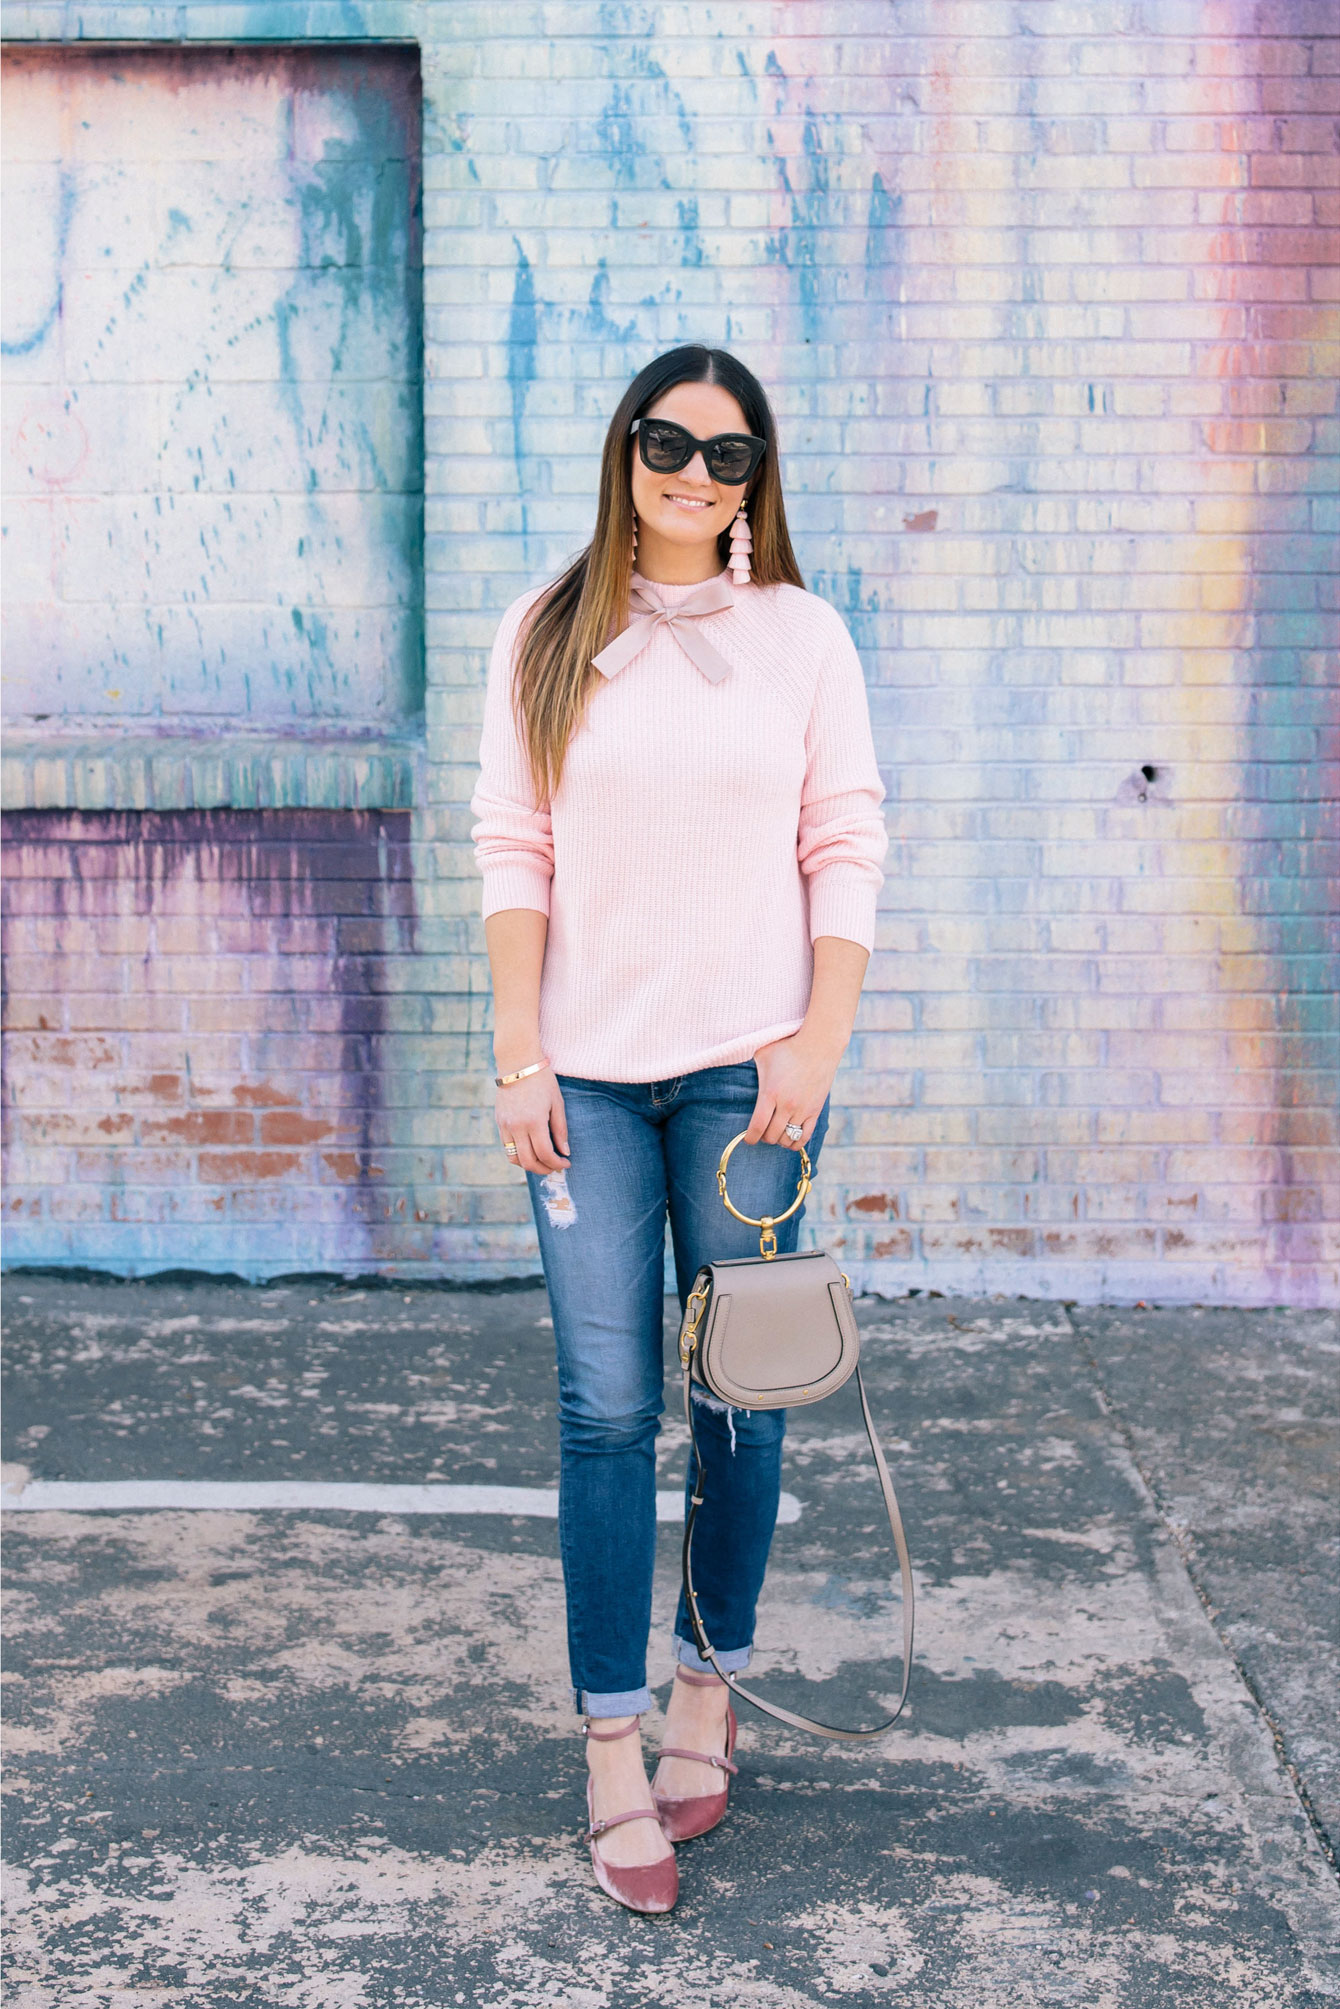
531 1115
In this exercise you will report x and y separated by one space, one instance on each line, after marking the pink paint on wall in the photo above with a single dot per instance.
194 1056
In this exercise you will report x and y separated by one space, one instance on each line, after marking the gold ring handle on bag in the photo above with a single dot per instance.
765 1223
695 1311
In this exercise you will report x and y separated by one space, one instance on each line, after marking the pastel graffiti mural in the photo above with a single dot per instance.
1047 305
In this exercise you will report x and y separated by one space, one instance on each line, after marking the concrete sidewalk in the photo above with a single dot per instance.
327 1760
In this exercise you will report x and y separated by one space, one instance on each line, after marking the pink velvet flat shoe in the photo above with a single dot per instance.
652 1887
682 1820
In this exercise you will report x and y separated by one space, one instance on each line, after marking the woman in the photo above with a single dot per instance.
680 837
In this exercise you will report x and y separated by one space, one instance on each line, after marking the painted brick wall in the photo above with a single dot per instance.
1046 298
201 1053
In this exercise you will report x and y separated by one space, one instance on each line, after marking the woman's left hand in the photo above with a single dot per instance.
794 1077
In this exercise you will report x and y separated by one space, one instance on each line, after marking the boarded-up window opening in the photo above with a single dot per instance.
212 338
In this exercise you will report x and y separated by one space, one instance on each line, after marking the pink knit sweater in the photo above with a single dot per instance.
702 836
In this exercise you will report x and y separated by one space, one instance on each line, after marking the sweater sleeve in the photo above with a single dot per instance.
842 839
513 835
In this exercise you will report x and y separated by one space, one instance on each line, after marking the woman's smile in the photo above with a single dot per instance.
682 512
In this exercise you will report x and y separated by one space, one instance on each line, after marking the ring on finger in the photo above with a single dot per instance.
510 1148
795 1131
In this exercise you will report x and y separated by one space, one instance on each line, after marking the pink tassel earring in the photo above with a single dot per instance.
741 544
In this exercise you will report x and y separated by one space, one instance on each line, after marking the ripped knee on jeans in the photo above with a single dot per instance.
718 1408
558 1203
709 1401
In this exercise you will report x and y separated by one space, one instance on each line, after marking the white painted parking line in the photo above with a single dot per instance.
249 1496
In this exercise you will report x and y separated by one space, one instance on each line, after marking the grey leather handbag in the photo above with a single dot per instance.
772 1332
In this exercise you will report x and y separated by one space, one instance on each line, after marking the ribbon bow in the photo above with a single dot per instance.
711 597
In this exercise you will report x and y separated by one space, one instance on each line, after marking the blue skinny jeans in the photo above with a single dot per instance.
636 1150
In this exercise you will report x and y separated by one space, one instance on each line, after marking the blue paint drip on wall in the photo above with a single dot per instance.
522 342
618 138
796 248
859 609
811 210
598 321
881 241
692 252
360 247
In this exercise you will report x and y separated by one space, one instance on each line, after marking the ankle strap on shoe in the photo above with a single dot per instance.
598 1828
700 1758
608 1736
695 1680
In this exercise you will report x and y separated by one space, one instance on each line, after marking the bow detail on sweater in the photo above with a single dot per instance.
710 598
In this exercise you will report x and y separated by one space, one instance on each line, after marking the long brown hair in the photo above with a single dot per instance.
588 604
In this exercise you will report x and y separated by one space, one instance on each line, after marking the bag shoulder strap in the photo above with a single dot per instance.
700 1638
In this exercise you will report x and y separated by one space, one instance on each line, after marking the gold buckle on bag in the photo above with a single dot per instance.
767 1240
688 1336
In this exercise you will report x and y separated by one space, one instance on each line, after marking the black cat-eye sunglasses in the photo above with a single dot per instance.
729 457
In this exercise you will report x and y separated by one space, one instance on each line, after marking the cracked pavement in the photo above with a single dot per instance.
328 1760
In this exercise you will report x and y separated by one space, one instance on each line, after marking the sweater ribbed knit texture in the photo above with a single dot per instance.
701 838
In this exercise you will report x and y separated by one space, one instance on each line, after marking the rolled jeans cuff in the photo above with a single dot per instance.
734 1658
631 1702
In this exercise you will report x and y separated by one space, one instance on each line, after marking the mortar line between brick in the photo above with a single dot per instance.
1186 1552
